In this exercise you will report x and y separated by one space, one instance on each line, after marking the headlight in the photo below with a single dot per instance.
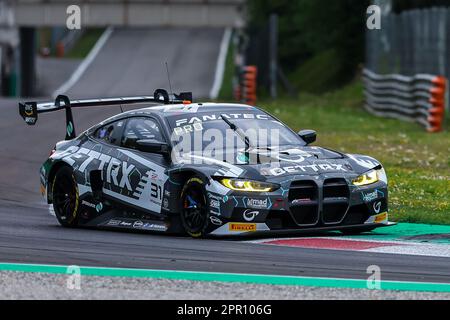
248 186
367 178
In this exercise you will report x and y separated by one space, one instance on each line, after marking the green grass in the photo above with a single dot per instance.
417 162
318 74
85 43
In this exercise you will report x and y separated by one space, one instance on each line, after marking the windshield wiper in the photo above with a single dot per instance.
239 132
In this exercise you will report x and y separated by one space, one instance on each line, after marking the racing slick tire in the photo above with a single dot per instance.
66 198
194 208
356 231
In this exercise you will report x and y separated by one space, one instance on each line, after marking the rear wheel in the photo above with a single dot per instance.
65 197
194 208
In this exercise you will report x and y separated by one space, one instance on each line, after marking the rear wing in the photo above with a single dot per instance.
30 110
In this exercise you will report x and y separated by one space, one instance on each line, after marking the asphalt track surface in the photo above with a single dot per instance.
133 62
28 234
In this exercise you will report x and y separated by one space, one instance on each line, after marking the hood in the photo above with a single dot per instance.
284 162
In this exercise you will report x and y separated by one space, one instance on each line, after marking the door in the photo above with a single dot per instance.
134 177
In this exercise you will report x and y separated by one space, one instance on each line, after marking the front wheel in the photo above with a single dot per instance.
194 208
65 197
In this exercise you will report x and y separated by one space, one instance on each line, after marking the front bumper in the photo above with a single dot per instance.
304 205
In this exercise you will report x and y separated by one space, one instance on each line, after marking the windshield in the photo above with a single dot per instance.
209 131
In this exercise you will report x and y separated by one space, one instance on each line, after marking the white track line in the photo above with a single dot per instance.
84 64
220 67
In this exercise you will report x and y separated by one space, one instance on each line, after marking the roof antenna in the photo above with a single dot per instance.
121 110
168 77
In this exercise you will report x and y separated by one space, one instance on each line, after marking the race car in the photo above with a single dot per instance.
204 169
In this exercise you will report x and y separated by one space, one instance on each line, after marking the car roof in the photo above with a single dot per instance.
177 109
165 111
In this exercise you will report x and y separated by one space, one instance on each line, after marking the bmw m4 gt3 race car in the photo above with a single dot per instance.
204 169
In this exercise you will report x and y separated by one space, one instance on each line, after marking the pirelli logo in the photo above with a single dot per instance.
242 227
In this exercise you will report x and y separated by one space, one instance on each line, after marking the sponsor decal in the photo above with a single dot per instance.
377 207
300 201
363 161
88 204
307 168
166 203
241 158
30 120
125 224
381 217
189 128
113 222
214 203
213 117
117 172
250 215
99 207
258 203
371 196
28 110
69 129
246 227
138 224
154 227
293 155
215 221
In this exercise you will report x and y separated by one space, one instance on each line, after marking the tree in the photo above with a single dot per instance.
309 27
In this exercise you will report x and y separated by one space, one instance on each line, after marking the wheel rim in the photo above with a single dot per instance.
194 206
65 199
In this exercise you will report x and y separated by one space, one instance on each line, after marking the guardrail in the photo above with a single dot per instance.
420 98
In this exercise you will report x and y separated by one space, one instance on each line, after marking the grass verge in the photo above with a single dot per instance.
84 45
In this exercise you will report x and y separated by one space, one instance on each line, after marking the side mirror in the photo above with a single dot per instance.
153 146
309 136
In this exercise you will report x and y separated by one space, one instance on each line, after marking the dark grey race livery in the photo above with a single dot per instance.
122 173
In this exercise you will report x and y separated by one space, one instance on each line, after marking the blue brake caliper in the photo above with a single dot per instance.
192 203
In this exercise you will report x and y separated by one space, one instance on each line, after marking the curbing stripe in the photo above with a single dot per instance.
228 277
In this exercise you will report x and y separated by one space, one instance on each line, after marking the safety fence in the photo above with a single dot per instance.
420 98
246 88
412 42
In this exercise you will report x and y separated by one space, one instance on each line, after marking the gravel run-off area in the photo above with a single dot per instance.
19 285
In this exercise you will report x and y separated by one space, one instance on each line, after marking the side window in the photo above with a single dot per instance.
111 133
141 129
